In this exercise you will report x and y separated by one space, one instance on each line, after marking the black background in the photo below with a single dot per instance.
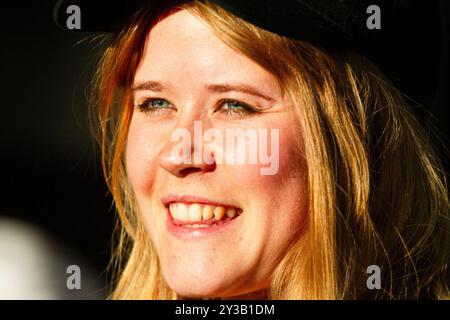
50 172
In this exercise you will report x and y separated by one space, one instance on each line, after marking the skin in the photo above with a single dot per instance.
184 54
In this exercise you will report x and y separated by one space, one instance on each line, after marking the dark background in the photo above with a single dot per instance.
50 172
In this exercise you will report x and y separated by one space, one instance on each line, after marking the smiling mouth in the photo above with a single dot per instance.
201 215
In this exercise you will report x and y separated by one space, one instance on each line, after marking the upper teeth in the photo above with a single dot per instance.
196 212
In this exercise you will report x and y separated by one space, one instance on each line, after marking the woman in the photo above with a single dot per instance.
355 186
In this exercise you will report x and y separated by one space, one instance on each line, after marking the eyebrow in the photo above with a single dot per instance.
157 86
238 87
150 86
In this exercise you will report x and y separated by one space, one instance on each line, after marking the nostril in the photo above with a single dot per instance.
202 168
186 171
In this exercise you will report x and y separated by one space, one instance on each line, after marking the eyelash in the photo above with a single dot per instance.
144 106
246 108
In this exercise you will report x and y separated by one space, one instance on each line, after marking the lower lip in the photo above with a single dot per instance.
187 233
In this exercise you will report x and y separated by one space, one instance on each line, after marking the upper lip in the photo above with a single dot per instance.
168 199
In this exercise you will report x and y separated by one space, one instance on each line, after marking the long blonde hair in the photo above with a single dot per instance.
377 191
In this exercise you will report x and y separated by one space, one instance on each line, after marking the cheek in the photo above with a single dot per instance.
284 195
278 203
280 163
141 156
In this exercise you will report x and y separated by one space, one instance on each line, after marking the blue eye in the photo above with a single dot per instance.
237 107
152 105
233 105
159 103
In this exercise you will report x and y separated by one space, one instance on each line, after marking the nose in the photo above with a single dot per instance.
185 154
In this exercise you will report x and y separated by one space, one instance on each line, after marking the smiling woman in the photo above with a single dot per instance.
358 182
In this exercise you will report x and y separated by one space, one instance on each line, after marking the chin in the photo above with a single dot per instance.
193 286
205 289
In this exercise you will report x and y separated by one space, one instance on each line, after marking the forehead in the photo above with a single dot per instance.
182 45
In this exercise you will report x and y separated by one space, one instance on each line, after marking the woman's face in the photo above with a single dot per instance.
220 228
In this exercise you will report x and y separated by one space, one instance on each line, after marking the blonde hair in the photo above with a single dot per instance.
377 191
